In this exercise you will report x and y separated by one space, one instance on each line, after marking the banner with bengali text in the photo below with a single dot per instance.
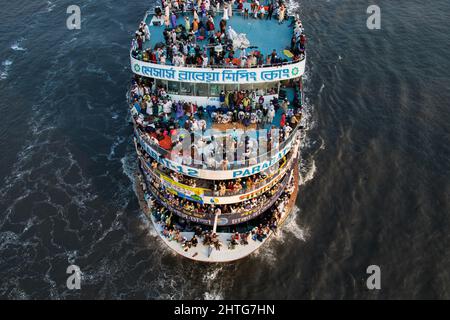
218 75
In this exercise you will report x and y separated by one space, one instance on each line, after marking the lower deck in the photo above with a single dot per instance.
225 252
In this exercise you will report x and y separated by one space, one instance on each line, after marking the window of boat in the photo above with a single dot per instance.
173 87
266 88
246 86
215 89
161 83
286 84
202 89
186 88
231 87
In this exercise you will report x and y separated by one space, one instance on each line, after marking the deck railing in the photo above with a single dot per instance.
208 219
209 192
231 165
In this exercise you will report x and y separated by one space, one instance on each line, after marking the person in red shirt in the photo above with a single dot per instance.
283 120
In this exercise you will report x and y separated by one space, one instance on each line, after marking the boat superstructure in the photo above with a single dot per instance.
216 102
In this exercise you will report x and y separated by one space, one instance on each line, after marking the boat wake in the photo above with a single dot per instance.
16 46
289 230
307 172
214 289
50 6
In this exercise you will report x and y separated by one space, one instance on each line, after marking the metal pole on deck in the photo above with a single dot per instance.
216 218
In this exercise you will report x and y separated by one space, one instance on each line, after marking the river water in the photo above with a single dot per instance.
375 165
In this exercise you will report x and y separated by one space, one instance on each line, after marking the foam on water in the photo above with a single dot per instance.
16 46
129 166
6 67
212 296
215 281
321 88
292 227
211 275
94 69
50 6
307 173
118 141
293 6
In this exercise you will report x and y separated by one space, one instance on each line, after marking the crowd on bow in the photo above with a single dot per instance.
199 42
263 225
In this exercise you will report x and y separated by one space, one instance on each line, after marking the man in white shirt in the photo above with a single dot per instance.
167 107
147 31
205 60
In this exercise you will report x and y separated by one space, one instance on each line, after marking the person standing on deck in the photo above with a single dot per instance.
146 31
255 9
195 15
167 10
283 120
271 114
281 14
166 21
270 12
285 105
173 20
225 13
302 41
217 6
195 25
187 23
204 60
230 8
210 27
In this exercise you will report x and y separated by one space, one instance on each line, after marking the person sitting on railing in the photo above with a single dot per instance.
234 241
198 231
165 232
257 234
287 131
206 238
173 20
222 189
244 238
200 209
215 241
294 120
194 241
237 187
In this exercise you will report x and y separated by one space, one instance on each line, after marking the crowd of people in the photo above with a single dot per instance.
264 225
203 210
158 117
237 186
199 42
247 108
221 189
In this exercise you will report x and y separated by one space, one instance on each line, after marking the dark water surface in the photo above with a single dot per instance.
376 161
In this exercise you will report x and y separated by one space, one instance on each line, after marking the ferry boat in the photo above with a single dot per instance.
216 102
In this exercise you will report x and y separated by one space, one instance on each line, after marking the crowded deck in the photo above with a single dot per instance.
180 132
216 104
205 244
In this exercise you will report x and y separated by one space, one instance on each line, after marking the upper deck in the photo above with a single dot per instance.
256 50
